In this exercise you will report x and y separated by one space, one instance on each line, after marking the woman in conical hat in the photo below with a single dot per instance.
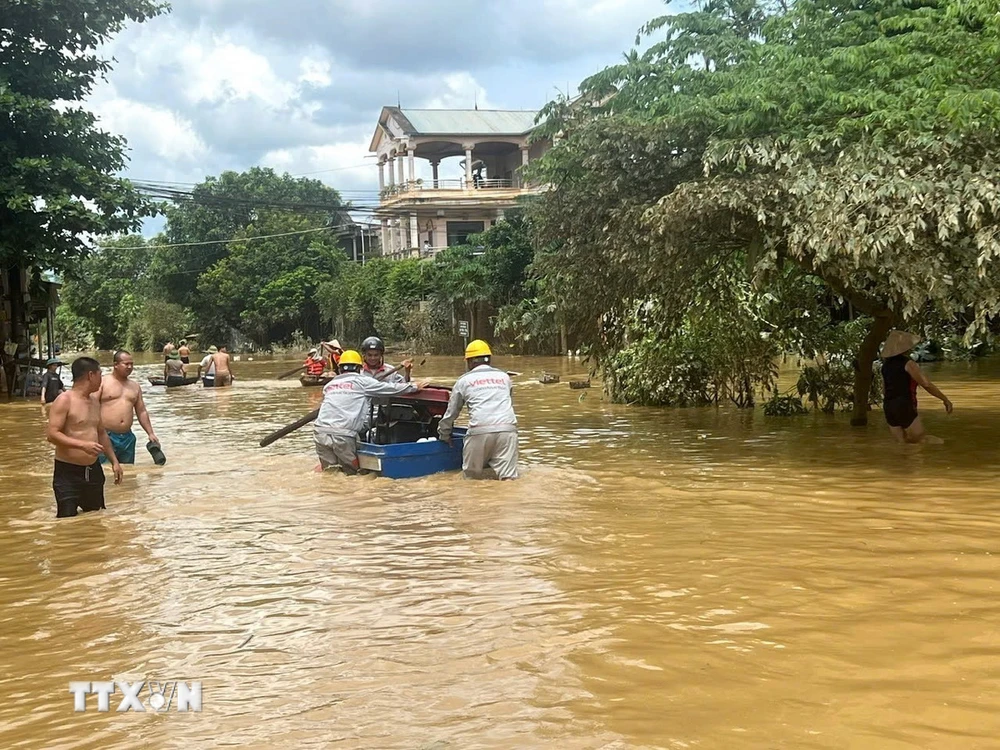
901 376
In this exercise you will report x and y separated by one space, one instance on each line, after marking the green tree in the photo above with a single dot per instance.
223 208
853 144
105 288
57 167
267 288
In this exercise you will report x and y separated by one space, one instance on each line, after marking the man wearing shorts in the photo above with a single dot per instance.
121 402
75 430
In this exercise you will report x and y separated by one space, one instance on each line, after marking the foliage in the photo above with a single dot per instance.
58 169
784 406
227 207
73 333
828 383
849 143
715 351
267 288
103 289
155 323
829 386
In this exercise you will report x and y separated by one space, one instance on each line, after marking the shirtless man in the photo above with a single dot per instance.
185 352
120 400
75 430
167 348
223 367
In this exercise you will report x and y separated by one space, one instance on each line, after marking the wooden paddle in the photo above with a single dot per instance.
291 372
313 414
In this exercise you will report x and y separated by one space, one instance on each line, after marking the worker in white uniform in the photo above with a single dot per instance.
491 440
344 412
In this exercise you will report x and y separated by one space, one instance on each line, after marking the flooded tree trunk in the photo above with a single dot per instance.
863 366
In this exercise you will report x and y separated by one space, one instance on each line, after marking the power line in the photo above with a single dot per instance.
223 242
301 174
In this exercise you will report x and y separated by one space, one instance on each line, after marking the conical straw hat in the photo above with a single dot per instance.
899 342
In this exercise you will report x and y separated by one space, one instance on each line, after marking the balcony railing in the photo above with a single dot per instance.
451 184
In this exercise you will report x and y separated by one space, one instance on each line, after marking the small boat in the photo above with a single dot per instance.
313 381
548 377
159 381
578 384
403 442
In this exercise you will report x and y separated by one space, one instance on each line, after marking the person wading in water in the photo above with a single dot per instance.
75 430
121 401
491 442
901 376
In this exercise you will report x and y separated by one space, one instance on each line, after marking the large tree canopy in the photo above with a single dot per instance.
57 168
852 142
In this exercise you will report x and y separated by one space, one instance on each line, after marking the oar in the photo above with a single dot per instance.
312 415
291 372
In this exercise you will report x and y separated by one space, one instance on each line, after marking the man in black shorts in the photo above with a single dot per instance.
76 431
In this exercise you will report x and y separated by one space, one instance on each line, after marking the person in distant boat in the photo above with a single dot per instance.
343 414
173 370
206 368
121 401
52 384
491 441
184 352
223 364
315 364
75 429
333 350
373 351
901 376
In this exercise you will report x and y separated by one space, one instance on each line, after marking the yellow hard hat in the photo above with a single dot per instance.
477 348
351 357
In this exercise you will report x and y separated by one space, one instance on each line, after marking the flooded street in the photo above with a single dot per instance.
692 578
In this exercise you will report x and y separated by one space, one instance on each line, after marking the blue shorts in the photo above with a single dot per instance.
123 444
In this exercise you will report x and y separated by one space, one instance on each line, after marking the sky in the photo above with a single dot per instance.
298 85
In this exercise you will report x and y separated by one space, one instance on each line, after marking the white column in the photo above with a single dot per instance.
524 163
384 236
392 171
381 174
399 159
414 232
412 165
468 165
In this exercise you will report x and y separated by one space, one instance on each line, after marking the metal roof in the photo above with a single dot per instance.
469 121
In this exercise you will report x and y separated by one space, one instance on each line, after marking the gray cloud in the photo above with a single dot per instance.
434 35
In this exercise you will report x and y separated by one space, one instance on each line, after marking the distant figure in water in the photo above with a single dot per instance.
902 376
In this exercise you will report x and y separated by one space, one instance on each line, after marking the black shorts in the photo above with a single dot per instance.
77 487
186 360
175 380
900 412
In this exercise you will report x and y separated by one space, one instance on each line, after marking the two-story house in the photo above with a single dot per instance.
421 215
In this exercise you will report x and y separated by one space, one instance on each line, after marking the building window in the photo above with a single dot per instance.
459 231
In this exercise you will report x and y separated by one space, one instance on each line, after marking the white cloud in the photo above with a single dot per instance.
229 72
149 129
461 91
315 72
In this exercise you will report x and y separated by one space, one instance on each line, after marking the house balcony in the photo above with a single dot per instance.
455 192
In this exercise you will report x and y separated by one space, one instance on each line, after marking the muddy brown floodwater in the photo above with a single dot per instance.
692 578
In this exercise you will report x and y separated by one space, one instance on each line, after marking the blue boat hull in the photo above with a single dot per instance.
408 460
